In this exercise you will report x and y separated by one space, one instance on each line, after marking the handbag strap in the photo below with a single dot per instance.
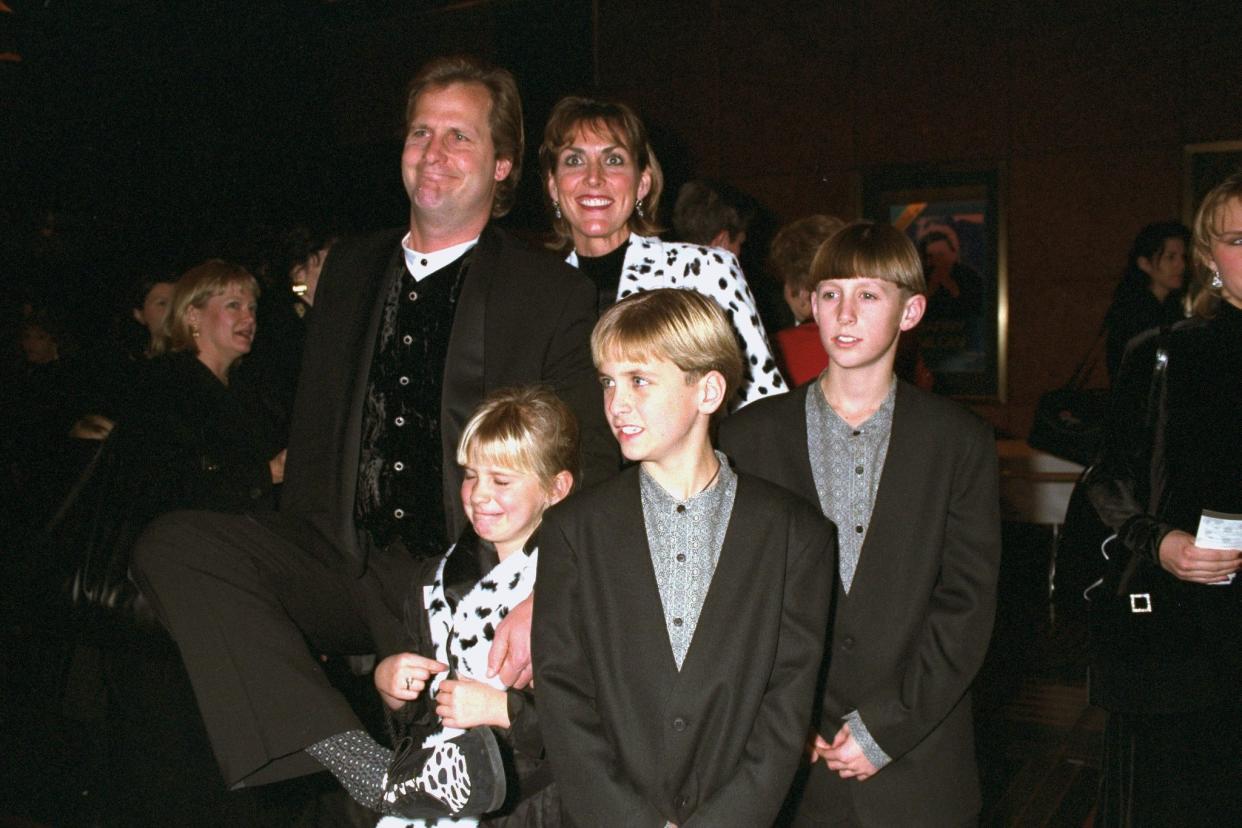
1157 419
1088 362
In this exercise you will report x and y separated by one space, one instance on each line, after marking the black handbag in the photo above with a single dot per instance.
1069 421
1142 620
92 534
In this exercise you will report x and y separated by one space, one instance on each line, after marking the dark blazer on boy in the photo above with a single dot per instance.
634 741
909 637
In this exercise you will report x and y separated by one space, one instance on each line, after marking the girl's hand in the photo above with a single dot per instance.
466 704
401 678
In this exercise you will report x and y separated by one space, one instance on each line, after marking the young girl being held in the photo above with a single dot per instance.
519 451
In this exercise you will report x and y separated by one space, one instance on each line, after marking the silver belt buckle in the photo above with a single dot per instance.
1140 602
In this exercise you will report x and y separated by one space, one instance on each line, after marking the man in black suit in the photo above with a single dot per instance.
412 328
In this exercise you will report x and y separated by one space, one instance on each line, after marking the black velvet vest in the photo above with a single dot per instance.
401 467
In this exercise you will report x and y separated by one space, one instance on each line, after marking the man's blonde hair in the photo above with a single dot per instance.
682 326
870 250
527 429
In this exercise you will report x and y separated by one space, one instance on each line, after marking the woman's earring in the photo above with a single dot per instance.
1216 280
194 331
638 206
556 208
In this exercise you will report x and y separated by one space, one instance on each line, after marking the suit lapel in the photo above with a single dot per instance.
895 494
388 267
798 459
720 606
636 274
465 365
635 586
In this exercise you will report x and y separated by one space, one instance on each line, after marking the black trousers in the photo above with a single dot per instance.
253 602
1182 769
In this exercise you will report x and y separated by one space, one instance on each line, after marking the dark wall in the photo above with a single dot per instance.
1085 107
152 126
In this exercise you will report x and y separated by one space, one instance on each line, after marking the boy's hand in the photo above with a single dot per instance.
401 678
846 758
510 654
465 704
815 746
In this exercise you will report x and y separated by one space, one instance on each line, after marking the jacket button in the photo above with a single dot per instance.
413 294
682 802
399 421
847 643
403 380
398 466
398 513
407 339
679 724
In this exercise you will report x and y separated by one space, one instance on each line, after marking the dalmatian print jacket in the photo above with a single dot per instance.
652 263
461 637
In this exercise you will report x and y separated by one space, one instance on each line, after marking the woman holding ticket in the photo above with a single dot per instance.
1169 483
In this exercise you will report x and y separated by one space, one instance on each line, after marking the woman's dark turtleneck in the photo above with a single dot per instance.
605 272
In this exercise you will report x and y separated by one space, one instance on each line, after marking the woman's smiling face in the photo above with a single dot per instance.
596 183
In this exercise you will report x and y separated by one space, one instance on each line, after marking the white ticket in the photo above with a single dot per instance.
1218 530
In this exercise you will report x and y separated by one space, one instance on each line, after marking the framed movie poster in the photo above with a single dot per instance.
1206 165
955 220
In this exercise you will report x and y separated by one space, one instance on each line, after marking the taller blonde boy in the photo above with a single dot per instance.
681 611
910 479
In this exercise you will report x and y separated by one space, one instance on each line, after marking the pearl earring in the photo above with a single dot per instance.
1216 280
638 206
556 208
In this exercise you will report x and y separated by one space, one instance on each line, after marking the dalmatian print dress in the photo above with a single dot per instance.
652 263
463 637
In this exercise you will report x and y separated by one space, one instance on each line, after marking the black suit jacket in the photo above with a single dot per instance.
911 634
634 741
522 317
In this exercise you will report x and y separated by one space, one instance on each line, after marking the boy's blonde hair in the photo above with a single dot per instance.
527 429
682 326
870 250
1207 229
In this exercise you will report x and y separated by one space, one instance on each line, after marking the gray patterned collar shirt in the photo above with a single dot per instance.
685 538
846 463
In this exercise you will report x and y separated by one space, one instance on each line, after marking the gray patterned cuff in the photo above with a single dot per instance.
870 748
